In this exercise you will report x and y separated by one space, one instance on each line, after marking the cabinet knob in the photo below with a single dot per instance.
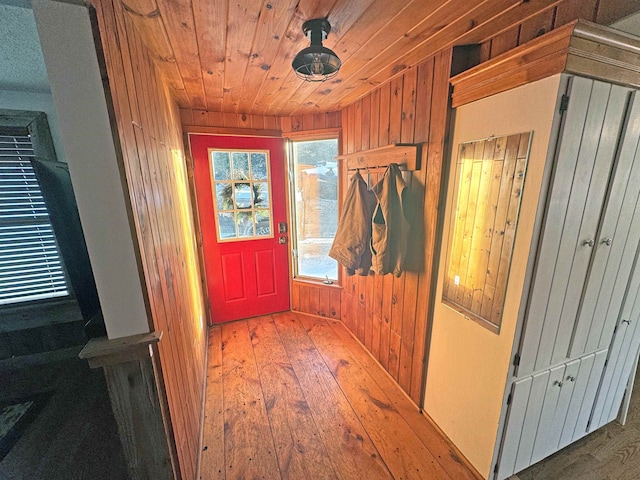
588 243
606 241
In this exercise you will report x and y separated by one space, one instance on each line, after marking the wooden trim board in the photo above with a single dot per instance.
581 48
103 351
232 131
404 154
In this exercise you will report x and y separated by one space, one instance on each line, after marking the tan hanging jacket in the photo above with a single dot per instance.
390 226
351 245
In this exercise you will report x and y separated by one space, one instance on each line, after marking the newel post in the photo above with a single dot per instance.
136 394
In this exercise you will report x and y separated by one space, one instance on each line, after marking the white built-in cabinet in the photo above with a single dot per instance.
576 335
580 332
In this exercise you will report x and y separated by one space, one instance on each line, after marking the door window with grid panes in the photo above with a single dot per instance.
242 190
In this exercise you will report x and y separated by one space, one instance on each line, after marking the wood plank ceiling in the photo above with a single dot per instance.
235 55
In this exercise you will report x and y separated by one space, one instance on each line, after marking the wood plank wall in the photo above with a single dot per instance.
251 124
298 124
311 297
601 12
149 131
316 299
388 314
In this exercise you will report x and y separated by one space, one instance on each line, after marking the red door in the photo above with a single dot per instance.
240 187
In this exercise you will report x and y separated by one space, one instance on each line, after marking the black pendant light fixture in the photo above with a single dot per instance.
316 63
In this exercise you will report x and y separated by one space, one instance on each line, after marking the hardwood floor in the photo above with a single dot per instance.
296 397
74 437
610 453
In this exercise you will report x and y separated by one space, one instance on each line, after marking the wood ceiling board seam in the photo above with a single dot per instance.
336 11
286 51
430 22
316 96
241 31
502 15
180 25
211 37
272 26
343 16
406 19
502 22
371 73
292 83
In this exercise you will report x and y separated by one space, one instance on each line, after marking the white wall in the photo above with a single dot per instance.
76 86
468 364
36 102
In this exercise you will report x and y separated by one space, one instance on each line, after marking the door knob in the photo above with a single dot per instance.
606 241
558 383
588 243
282 239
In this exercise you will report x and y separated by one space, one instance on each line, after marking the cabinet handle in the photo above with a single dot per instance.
558 383
571 378
588 243
626 321
606 241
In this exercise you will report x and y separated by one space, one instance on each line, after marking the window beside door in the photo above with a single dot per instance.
314 204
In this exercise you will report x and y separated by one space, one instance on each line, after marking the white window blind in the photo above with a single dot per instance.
30 263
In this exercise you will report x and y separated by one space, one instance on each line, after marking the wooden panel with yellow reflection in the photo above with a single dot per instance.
489 176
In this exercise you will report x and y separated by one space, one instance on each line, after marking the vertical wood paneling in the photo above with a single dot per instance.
250 123
395 110
536 26
316 299
490 175
434 158
383 118
387 314
311 121
601 12
505 41
150 138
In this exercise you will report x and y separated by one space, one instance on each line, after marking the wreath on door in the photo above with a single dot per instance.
229 193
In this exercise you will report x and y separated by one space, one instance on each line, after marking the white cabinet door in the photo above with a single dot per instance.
548 410
527 397
543 445
586 154
623 352
615 247
584 395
